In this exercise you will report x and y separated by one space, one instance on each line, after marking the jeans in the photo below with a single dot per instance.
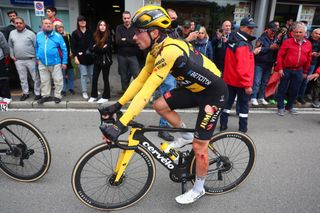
67 80
294 78
128 66
105 74
86 74
261 77
243 107
168 84
304 83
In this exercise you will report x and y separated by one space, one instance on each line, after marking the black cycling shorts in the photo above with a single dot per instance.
210 101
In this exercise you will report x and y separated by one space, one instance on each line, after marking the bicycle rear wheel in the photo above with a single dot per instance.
93 178
30 158
231 159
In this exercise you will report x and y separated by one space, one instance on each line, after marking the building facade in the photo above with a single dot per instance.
209 13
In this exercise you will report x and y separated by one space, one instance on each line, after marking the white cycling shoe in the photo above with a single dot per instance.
180 142
189 197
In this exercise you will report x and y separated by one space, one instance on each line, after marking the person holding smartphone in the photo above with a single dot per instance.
219 44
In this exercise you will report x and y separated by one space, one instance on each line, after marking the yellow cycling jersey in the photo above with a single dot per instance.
191 69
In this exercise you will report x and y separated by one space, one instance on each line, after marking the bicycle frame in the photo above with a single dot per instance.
137 137
5 151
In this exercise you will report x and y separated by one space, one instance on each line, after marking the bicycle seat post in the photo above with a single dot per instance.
183 175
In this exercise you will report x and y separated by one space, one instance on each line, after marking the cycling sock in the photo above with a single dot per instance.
199 184
186 135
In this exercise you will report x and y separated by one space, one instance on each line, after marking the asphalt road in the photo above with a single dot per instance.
285 178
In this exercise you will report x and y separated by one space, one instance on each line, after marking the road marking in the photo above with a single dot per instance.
252 111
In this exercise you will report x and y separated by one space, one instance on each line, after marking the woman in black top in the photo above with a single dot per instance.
102 50
81 40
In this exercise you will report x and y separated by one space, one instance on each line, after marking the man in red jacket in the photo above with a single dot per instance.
239 72
293 62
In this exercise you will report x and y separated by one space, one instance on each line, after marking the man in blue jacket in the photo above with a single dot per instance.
263 63
51 54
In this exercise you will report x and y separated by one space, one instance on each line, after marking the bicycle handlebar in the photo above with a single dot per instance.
105 122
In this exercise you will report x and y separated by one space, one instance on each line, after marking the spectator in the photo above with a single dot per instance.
22 44
102 49
192 26
128 64
51 14
315 91
219 44
276 23
173 29
170 82
12 14
293 62
81 41
5 95
186 33
288 26
68 73
202 43
52 56
315 42
263 64
239 72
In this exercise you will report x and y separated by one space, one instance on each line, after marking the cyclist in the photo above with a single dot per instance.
201 86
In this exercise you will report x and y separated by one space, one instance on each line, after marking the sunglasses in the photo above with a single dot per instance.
137 31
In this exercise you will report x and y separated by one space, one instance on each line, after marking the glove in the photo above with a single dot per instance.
112 132
109 110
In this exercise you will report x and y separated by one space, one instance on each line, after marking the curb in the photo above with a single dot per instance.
77 104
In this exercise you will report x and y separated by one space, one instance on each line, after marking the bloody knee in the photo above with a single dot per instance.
200 151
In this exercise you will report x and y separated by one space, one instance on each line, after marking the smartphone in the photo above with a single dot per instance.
197 28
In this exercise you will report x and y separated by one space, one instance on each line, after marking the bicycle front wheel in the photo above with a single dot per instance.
231 159
93 178
29 157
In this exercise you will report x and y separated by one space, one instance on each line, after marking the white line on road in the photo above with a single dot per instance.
252 111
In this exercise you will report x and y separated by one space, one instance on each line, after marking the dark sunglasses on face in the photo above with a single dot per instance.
137 31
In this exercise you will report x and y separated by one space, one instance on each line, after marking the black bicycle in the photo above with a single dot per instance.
24 151
113 176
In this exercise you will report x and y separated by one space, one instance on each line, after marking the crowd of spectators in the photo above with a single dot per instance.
51 56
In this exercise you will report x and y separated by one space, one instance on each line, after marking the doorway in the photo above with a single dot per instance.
95 10
285 12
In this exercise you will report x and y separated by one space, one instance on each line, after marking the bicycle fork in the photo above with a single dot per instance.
125 156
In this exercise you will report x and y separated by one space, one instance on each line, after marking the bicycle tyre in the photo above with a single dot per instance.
240 163
99 177
38 161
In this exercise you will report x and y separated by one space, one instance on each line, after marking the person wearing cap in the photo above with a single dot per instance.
293 62
239 72
263 63
68 73
81 41
22 44
185 32
201 86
